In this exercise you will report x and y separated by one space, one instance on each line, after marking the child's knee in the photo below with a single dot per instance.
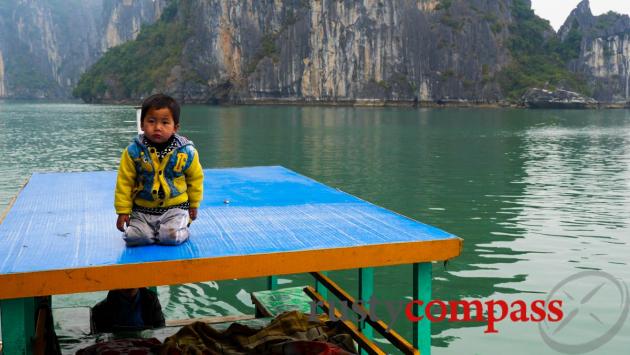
132 242
172 236
134 237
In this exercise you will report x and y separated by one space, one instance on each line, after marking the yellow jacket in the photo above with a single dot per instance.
141 175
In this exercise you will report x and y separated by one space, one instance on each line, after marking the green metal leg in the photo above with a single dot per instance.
366 290
422 291
272 282
18 325
322 290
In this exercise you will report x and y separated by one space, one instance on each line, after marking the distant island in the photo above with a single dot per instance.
427 52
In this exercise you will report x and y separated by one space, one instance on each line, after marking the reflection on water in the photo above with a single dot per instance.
58 137
536 195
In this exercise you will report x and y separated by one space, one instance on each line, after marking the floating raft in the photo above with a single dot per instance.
59 236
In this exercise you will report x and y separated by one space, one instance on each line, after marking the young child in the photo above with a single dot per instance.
160 180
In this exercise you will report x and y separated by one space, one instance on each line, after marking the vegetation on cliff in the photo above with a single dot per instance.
539 59
136 67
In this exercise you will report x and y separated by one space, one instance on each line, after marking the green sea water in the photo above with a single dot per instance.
536 195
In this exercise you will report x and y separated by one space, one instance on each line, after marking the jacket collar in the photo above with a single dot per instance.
180 141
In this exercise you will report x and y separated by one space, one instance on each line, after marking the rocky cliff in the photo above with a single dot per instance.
604 51
209 51
121 20
344 50
45 45
541 98
328 50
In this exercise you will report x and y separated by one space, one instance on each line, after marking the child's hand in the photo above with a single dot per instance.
123 219
192 212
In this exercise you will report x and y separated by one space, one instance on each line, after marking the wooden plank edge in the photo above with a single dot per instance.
381 327
208 320
359 337
11 202
260 307
98 278
39 340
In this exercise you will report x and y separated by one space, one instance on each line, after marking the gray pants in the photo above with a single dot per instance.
170 228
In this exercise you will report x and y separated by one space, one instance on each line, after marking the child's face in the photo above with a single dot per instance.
158 125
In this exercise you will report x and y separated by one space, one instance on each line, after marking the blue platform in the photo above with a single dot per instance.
63 221
60 237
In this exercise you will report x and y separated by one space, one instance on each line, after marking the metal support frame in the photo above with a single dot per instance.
322 290
18 315
366 290
18 325
272 283
359 337
381 327
422 291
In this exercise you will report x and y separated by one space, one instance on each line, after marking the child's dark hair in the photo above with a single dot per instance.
159 101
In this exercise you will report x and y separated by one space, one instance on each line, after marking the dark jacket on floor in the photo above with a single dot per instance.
117 312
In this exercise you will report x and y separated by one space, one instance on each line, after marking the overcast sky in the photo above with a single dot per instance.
556 11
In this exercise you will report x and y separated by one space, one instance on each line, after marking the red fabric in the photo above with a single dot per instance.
306 347
123 347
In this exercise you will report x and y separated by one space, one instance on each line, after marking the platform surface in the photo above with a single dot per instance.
60 234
